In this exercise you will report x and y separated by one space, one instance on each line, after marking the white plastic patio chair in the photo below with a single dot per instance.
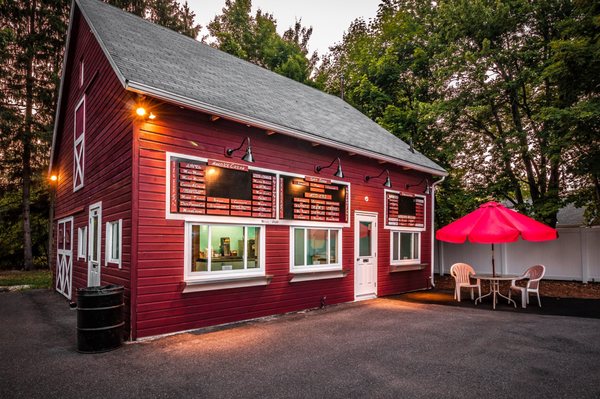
462 273
534 274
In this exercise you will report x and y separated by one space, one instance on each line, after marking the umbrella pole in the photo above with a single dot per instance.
493 262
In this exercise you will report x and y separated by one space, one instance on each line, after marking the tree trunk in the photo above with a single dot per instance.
26 141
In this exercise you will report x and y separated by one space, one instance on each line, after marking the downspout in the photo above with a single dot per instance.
435 183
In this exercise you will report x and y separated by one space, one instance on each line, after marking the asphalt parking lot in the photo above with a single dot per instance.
376 349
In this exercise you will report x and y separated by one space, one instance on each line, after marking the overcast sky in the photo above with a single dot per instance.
329 18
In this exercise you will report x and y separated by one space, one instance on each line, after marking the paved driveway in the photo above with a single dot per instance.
379 348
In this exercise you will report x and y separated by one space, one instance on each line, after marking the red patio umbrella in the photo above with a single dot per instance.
493 223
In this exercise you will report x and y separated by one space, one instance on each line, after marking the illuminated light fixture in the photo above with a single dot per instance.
427 189
140 111
53 178
338 172
151 116
387 183
247 156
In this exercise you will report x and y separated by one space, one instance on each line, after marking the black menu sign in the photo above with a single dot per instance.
405 210
221 188
313 199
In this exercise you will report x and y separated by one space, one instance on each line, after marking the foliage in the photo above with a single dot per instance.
168 13
34 279
502 93
255 39
32 38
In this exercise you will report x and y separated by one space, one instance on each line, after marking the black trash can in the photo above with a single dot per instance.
99 318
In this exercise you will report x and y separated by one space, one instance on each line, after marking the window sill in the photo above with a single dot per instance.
407 268
310 276
222 284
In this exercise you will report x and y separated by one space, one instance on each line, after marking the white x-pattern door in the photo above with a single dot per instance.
64 256
79 146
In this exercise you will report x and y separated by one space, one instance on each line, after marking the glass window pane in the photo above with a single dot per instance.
253 247
333 246
406 246
415 253
299 247
199 248
223 239
115 240
317 247
395 239
94 243
364 243
84 239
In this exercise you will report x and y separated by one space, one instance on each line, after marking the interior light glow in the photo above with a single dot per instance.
140 111
151 116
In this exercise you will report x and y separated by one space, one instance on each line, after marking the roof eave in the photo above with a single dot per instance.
164 95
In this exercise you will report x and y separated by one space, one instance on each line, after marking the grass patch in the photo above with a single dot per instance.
33 278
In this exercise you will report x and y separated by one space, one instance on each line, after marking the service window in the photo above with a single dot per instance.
405 247
221 251
315 249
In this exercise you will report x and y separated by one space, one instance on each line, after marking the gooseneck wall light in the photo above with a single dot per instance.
387 183
247 156
338 173
427 189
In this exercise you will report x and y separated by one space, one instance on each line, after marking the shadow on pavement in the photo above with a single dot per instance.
573 307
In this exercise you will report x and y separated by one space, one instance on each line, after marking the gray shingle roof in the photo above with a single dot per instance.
157 60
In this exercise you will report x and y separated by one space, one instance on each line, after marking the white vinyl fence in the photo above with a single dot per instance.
575 255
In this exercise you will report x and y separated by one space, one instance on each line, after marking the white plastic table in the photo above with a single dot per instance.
495 286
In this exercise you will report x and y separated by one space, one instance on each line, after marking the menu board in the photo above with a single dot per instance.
405 210
313 199
221 188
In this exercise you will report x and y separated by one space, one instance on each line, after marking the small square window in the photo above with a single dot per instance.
114 242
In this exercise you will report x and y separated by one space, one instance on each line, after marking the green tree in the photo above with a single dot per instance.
502 93
33 34
255 39
168 13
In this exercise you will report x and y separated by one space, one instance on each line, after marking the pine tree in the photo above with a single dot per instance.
32 35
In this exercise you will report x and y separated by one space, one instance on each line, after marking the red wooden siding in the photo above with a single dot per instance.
161 305
108 149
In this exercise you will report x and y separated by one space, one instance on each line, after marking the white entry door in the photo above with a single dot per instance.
95 236
64 256
365 255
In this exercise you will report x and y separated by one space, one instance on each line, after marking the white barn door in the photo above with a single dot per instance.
64 256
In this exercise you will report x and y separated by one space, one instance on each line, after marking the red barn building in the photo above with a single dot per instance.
215 190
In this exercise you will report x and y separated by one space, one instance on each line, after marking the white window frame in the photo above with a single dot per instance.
110 226
192 276
315 268
413 261
79 156
82 237
81 70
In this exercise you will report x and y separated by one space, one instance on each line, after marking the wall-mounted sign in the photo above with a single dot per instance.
404 210
313 199
221 188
